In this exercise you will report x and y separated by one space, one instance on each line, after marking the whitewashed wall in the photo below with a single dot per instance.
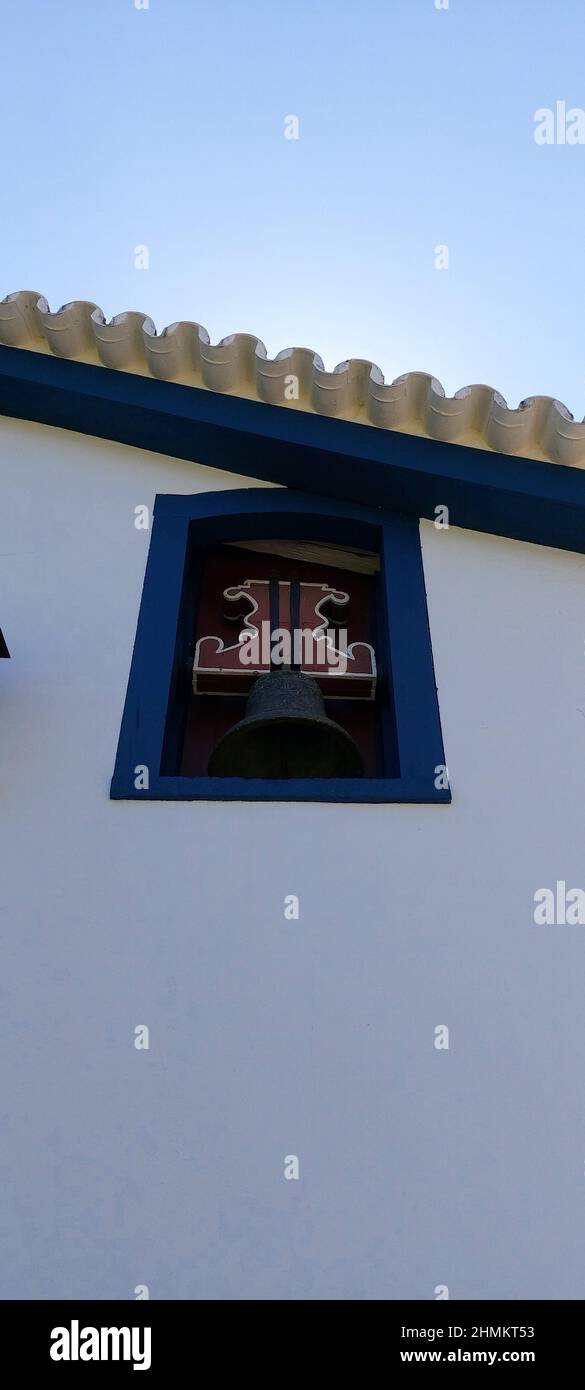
268 1037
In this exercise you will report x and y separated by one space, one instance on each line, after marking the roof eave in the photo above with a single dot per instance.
485 491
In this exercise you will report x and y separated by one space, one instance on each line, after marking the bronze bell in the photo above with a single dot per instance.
286 733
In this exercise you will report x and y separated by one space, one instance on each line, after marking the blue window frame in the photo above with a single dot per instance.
153 723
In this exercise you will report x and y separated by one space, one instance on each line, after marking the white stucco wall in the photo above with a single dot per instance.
268 1037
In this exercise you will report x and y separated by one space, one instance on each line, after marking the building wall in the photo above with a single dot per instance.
268 1037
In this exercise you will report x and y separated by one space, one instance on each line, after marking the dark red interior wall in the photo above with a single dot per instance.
210 716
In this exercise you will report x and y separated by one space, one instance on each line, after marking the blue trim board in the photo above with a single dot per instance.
490 492
182 527
336 789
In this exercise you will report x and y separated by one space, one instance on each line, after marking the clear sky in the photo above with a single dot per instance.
165 127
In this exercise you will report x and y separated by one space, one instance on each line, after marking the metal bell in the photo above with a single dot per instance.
286 733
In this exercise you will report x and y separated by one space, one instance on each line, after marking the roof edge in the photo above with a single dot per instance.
389 471
477 416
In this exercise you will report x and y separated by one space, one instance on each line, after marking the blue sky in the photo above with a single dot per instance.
164 127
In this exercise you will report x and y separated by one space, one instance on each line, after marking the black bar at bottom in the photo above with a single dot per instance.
153 1336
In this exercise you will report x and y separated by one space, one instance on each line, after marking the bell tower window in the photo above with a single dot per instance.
282 653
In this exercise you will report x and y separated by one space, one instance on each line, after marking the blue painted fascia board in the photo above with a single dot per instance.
484 491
